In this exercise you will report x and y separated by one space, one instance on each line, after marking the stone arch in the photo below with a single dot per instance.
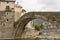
21 23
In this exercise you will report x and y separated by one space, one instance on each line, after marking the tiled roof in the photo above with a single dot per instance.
9 0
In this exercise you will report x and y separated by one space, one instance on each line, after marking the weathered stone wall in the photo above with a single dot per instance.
4 4
18 12
6 24
7 14
8 18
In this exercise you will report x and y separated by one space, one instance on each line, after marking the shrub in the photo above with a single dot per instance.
37 27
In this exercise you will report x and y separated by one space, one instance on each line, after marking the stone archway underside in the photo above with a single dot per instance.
21 23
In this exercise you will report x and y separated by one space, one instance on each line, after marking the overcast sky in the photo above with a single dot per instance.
40 5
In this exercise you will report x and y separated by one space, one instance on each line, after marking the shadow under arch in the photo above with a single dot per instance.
21 23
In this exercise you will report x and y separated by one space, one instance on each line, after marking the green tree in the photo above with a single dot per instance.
37 27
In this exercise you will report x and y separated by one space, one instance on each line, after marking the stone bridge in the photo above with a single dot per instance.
21 23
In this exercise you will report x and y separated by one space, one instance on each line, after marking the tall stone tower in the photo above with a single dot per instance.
7 18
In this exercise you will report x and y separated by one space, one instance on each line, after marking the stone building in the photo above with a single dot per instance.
19 11
7 18
9 13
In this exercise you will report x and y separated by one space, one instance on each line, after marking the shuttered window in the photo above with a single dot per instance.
7 7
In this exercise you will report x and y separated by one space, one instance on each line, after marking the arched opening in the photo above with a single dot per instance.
39 27
23 24
46 29
32 28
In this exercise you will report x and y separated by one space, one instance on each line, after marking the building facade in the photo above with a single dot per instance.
7 18
9 13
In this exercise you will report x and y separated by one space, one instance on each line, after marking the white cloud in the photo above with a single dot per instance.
40 5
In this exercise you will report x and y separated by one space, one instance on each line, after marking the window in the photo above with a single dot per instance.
7 7
7 19
7 2
3 24
6 13
12 8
